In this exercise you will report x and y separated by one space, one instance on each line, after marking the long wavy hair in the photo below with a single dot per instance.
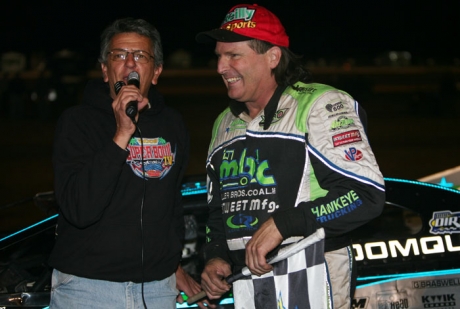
289 70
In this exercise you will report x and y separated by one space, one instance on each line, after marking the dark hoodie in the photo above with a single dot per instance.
109 216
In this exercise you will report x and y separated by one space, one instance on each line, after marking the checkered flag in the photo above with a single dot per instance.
299 271
296 282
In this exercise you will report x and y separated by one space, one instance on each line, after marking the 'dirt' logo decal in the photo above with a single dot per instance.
445 222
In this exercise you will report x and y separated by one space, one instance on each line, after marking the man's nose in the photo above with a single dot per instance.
222 66
130 62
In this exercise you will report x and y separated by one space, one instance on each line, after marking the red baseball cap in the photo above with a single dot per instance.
246 22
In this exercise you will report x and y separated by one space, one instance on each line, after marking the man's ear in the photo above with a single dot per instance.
104 72
274 55
156 74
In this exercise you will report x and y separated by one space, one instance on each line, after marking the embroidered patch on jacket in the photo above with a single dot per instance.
353 154
334 107
341 123
277 117
348 137
236 124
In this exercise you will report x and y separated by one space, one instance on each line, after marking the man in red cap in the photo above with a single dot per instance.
286 158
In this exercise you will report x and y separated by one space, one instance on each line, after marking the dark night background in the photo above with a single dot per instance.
413 108
359 29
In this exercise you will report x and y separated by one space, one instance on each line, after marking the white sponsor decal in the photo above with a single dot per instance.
412 246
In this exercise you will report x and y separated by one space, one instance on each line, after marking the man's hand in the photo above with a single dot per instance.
189 286
264 240
212 278
125 126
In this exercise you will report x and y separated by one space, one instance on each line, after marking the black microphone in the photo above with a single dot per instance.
118 86
131 107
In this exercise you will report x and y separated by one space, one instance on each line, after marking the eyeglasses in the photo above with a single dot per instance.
140 56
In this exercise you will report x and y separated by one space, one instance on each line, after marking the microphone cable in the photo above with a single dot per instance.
117 87
142 212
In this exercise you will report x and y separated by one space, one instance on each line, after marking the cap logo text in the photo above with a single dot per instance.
239 13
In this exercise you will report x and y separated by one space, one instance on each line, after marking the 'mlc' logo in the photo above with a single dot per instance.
247 170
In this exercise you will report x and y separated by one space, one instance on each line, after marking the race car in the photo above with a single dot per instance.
408 257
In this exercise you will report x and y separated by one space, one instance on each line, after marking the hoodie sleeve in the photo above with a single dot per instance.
87 164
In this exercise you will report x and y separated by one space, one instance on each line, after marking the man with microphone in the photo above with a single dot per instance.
117 183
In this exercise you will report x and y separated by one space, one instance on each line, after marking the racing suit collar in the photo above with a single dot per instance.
270 109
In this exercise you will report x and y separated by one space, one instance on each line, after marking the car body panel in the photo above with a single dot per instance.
406 258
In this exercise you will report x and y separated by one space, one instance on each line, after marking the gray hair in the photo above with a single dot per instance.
127 25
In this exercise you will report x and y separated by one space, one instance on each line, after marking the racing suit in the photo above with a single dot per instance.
305 161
